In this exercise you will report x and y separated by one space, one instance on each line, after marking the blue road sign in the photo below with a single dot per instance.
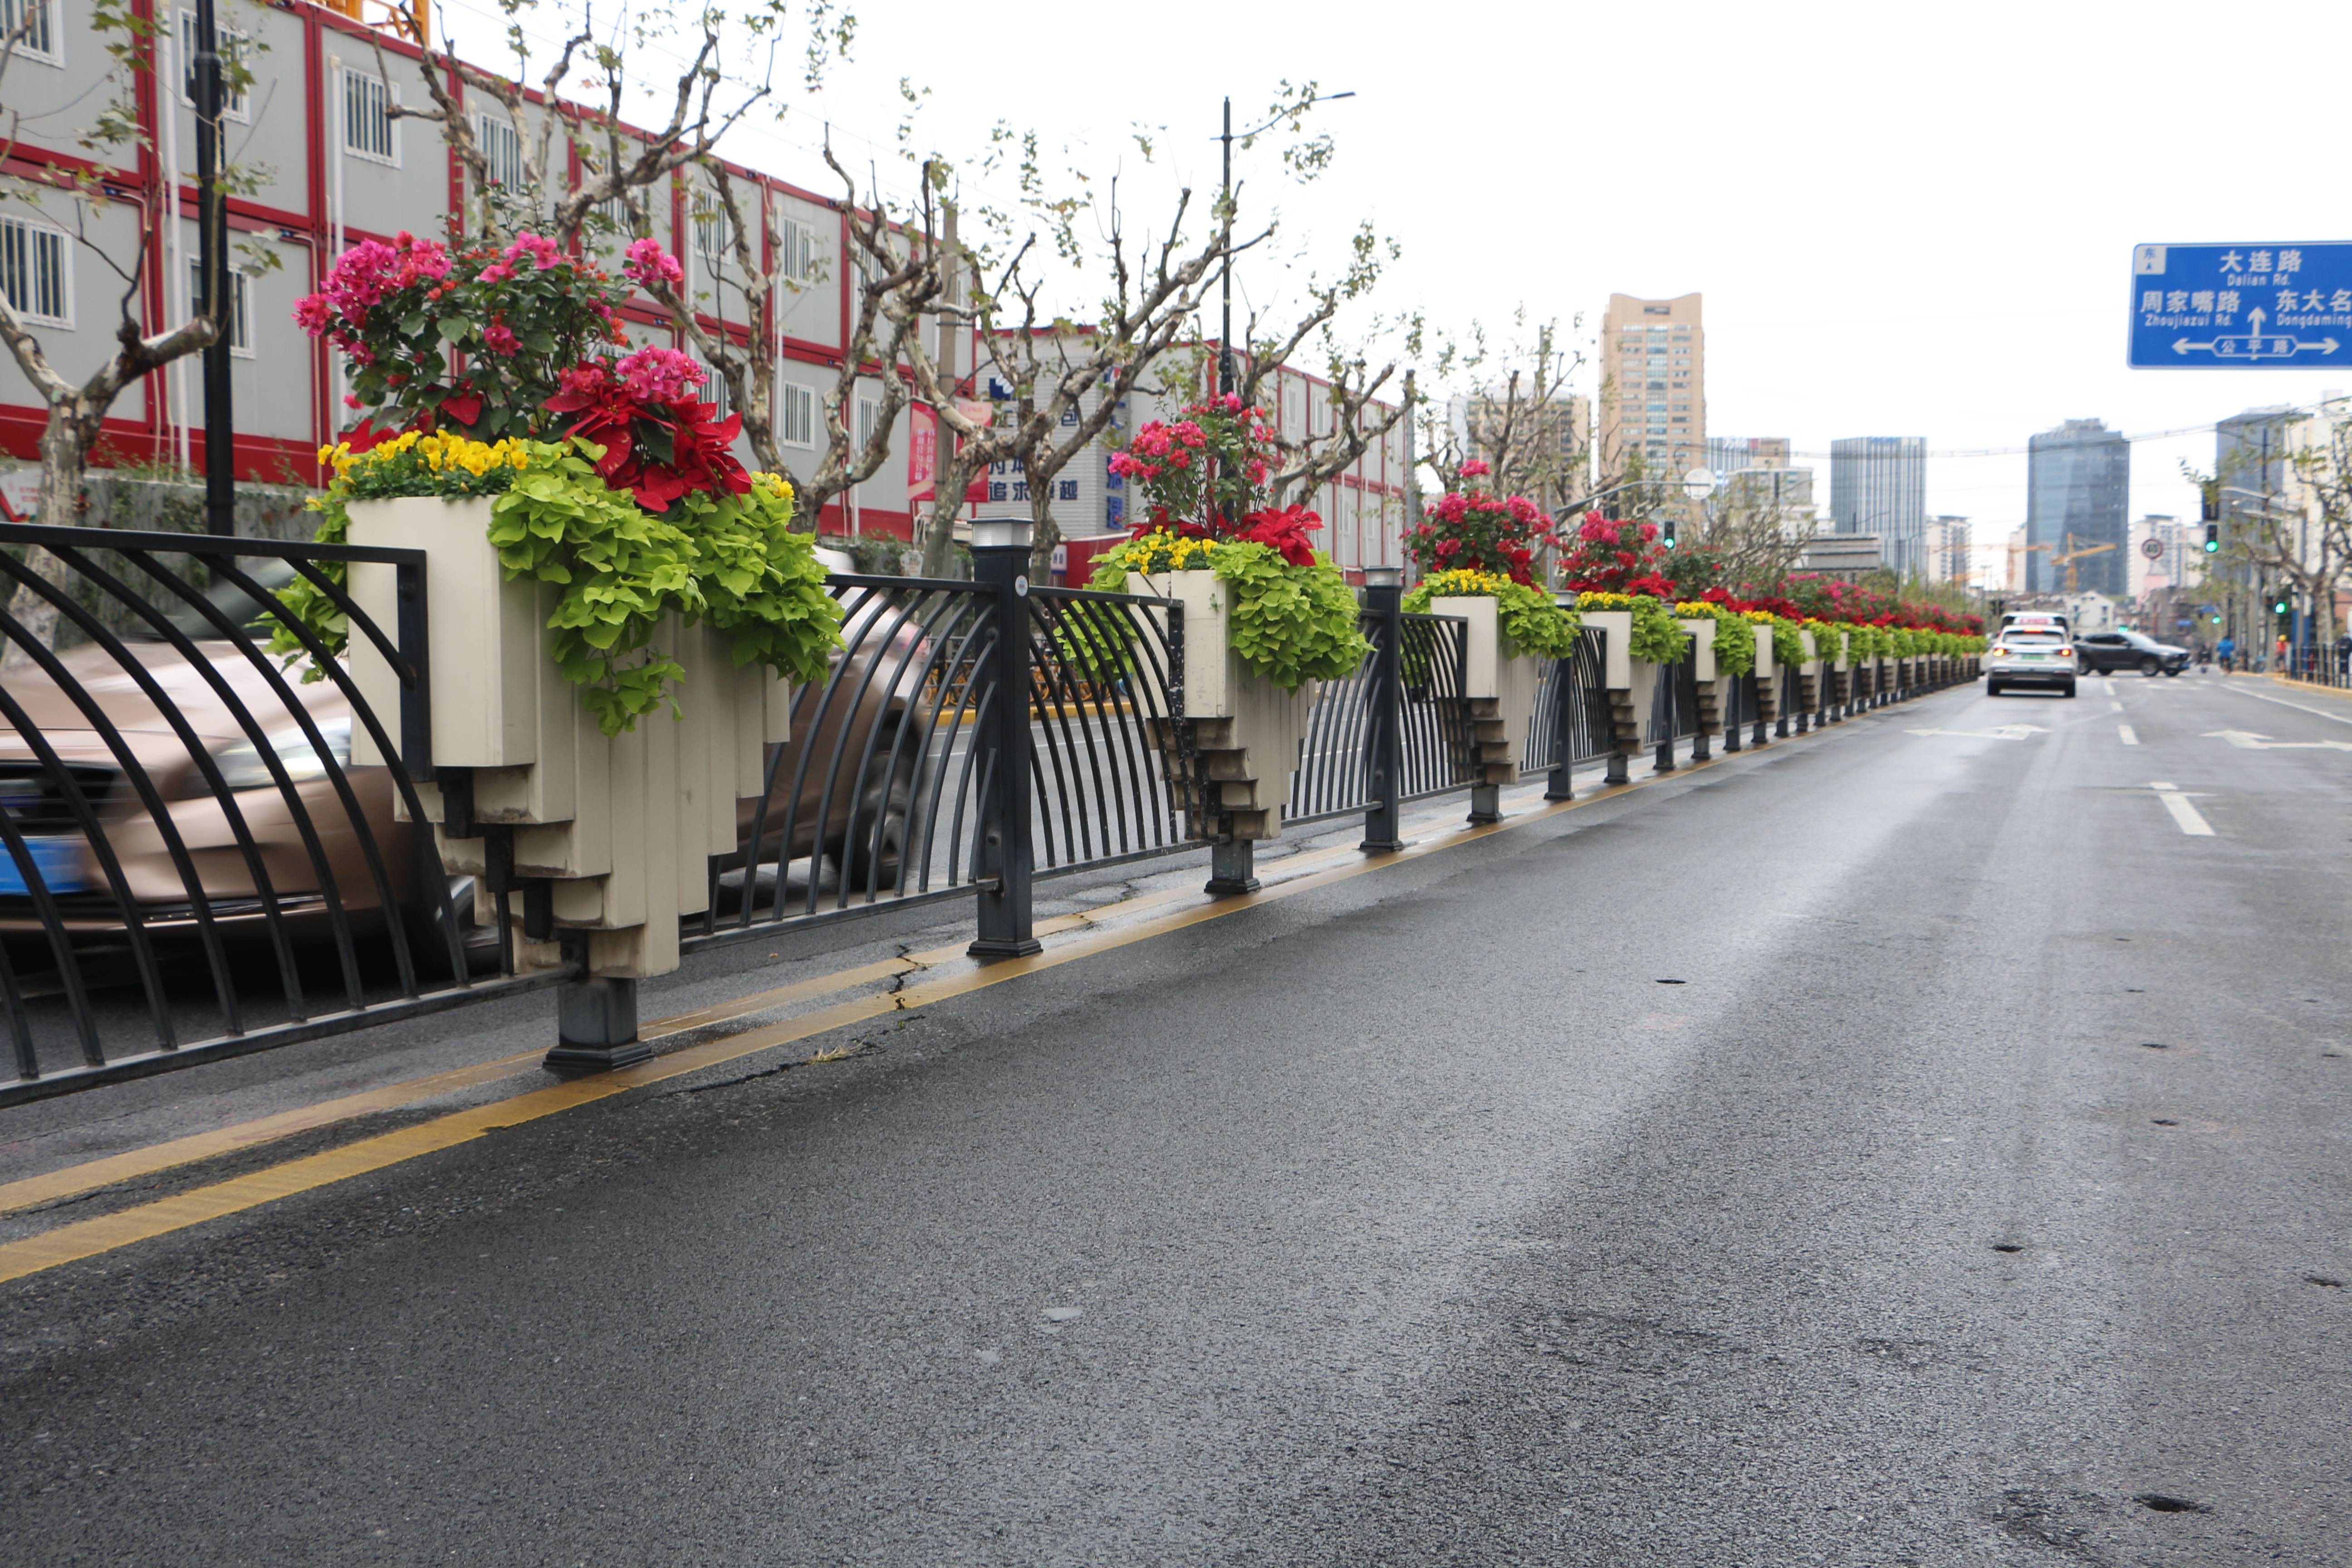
2262 306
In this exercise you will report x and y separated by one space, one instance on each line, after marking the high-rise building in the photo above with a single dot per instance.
1551 443
2180 562
1730 454
1949 556
2078 492
1654 386
1878 484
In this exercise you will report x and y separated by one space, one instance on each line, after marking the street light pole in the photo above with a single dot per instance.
1226 282
213 299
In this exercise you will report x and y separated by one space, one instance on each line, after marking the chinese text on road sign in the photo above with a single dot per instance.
2270 307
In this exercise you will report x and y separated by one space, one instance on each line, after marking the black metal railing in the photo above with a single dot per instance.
191 863
1336 776
1572 717
888 792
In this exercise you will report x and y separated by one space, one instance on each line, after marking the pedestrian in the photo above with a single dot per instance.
2229 647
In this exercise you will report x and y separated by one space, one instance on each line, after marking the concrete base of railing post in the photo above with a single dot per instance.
596 1025
1617 772
1486 804
1232 868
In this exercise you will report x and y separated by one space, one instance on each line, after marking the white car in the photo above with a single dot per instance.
2025 656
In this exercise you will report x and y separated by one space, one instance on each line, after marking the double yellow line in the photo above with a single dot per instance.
87 1238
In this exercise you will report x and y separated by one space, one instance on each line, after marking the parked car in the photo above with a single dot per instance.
854 732
2030 657
2106 652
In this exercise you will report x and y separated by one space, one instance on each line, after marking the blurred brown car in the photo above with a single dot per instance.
37 804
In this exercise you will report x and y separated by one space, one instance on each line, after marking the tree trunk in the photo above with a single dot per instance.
955 473
65 457
1043 534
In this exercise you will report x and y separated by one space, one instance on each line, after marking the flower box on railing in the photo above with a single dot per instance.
1714 686
1632 683
1247 732
623 824
1499 685
1768 677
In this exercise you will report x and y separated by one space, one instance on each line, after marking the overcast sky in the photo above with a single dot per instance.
1909 220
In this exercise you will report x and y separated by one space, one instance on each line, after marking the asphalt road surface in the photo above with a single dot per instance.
1891 1147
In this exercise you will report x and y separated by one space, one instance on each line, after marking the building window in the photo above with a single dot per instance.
799 421
368 129
714 238
501 148
241 306
714 388
797 253
869 410
235 105
35 271
43 38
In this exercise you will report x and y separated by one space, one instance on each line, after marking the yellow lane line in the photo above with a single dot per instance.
105 1233
72 1180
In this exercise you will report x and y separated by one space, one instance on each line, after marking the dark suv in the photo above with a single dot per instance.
2106 652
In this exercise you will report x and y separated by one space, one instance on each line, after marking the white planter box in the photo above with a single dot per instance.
1249 733
623 824
1632 683
1714 686
1501 687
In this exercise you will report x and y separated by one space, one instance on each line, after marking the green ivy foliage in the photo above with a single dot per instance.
1530 624
1734 638
732 561
1289 623
1658 637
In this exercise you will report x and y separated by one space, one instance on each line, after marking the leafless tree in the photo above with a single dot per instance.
709 99
1052 365
1514 413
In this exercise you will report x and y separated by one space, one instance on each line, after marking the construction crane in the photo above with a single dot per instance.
2072 555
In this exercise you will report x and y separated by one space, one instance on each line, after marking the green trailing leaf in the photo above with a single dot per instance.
1529 622
732 561
1289 623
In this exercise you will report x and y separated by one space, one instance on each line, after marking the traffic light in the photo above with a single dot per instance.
2279 605
2211 495
1666 532
2212 538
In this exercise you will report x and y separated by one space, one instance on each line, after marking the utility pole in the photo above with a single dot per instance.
213 299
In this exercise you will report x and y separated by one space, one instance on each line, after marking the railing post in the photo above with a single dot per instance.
1669 688
1384 756
1000 561
1566 689
1734 724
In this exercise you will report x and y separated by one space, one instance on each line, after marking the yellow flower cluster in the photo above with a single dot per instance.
776 485
1465 582
1592 600
439 453
1159 551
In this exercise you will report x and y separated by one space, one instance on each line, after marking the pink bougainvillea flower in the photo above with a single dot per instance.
648 263
658 374
1474 469
500 340
539 247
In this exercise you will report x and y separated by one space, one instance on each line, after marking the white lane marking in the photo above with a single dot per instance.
2186 815
2006 732
2108 686
2114 707
2250 740
2127 735
2266 697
